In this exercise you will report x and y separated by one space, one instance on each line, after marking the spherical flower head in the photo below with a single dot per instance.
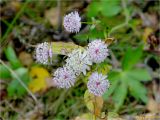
72 22
44 53
98 51
64 78
79 61
98 84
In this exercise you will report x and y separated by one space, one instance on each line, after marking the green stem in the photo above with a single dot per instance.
14 21
87 23
19 80
5 22
127 18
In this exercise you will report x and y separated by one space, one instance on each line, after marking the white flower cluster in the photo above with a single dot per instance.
44 53
79 61
72 22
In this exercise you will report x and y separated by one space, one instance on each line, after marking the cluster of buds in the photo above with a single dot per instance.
78 61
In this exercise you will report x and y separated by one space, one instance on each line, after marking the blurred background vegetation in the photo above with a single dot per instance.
133 66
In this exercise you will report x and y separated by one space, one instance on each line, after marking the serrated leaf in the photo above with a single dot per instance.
119 96
4 73
139 74
93 103
137 90
14 87
131 57
39 76
11 56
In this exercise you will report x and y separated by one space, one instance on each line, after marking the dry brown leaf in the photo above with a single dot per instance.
25 58
51 16
153 106
93 103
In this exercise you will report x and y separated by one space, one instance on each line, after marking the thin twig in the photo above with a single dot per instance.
20 81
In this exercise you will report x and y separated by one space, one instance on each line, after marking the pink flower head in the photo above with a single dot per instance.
44 53
64 78
98 51
72 22
98 84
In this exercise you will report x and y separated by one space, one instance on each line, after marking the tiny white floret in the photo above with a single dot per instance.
79 61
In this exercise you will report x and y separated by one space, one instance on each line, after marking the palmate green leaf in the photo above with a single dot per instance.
137 90
114 78
139 74
119 95
12 58
121 81
110 90
131 57
14 87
